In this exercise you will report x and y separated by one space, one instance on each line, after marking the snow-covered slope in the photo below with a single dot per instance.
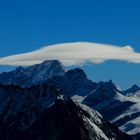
35 74
121 110
31 113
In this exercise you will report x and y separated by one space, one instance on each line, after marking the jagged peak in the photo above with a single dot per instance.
135 86
35 74
132 89
109 84
19 68
54 62
104 90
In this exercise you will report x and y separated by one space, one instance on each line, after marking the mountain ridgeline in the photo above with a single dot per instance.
47 102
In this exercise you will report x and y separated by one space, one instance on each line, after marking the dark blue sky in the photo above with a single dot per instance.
26 25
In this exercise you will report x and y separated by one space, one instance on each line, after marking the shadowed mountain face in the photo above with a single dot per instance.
63 120
73 82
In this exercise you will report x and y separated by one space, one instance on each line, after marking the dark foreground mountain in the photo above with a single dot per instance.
26 117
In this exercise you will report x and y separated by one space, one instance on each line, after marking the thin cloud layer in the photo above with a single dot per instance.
75 53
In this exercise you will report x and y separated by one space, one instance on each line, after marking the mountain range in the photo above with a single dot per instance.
39 101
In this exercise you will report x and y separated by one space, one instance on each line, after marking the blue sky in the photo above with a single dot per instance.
27 25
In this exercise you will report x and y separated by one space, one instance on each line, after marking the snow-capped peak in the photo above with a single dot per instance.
35 74
52 63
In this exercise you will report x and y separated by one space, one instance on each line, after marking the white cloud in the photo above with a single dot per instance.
75 53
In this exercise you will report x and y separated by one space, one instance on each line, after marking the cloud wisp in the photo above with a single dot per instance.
75 53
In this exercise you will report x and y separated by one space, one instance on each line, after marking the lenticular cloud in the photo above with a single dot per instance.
75 53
